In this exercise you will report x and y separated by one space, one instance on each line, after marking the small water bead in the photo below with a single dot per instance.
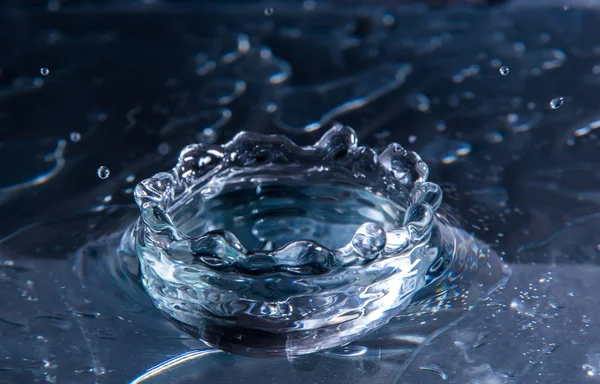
75 137
557 102
504 70
268 11
164 149
441 126
44 71
495 63
209 134
271 107
103 172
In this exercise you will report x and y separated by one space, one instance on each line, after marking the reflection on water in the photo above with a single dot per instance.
515 152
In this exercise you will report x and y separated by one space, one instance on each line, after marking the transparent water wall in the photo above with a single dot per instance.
299 192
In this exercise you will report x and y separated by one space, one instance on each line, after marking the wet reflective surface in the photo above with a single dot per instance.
516 154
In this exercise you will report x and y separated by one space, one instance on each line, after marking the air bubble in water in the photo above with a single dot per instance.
103 172
44 71
557 102
75 137
268 11
504 70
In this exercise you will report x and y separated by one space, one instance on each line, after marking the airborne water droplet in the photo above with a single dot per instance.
75 137
103 172
44 71
268 11
504 70
557 102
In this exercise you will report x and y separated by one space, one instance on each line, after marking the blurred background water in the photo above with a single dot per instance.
501 101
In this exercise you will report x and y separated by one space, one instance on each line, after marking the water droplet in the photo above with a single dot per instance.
268 11
99 370
412 139
164 149
441 126
103 172
309 5
271 107
44 71
130 178
494 137
504 70
589 369
495 63
519 47
75 137
388 20
557 102
209 133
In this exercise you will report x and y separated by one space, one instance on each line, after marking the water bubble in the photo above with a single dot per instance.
268 11
44 71
557 102
75 137
504 70
103 172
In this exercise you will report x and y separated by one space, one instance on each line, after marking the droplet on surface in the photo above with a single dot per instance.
44 71
504 70
75 137
557 102
103 172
